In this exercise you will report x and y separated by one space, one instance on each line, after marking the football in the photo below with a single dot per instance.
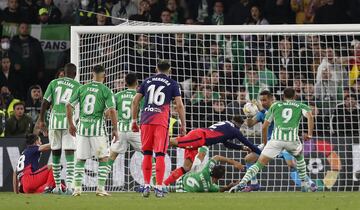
250 109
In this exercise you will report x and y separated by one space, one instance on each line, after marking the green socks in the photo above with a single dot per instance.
79 173
301 167
70 168
102 174
57 170
251 172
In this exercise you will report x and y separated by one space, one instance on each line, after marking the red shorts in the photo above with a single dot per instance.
190 154
35 182
154 138
193 140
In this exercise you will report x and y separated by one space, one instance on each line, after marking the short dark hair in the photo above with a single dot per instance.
238 119
98 69
266 93
165 10
350 96
20 103
218 171
289 93
70 69
163 65
130 79
6 56
32 87
31 139
59 72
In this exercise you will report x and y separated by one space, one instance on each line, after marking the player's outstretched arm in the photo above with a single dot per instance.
112 115
15 183
310 125
40 123
229 186
264 129
44 147
69 116
231 145
134 111
239 136
181 111
223 159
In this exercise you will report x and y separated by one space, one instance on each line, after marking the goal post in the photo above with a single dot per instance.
219 68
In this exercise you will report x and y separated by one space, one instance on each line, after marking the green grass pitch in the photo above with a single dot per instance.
187 201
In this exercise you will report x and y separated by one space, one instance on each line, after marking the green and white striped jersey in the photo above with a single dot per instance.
94 99
58 93
123 103
286 116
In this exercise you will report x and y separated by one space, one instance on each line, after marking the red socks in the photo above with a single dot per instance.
160 169
146 168
175 174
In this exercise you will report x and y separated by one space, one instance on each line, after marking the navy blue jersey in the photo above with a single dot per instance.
29 158
158 92
224 132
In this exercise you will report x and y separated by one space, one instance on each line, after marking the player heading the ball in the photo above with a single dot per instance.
158 90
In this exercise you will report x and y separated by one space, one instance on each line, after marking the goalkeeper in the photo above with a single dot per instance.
206 179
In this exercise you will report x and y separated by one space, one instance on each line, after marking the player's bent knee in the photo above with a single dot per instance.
187 165
147 152
291 163
264 160
251 158
103 159
113 155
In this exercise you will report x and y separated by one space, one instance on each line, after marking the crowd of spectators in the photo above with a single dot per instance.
212 12
229 70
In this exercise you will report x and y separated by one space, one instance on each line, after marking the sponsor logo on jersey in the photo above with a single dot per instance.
152 109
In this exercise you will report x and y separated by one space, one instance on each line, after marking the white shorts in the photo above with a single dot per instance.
61 139
126 138
274 147
89 146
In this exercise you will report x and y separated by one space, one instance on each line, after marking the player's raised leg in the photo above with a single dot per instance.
178 172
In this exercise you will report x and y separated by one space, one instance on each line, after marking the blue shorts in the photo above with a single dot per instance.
286 155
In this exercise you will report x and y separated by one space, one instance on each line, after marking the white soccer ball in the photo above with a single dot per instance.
250 109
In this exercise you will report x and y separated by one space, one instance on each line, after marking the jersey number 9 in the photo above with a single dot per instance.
287 114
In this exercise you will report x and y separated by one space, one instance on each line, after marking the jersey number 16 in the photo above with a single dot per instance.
155 95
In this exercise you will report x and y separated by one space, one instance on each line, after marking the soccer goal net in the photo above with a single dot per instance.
220 68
